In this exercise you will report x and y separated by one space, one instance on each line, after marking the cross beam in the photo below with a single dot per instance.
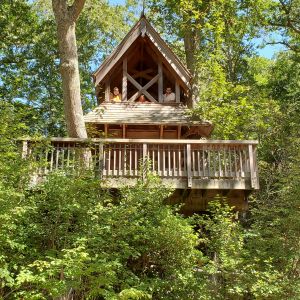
142 89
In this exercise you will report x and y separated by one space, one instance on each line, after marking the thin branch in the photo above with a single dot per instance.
286 44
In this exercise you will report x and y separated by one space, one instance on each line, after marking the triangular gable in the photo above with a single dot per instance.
142 28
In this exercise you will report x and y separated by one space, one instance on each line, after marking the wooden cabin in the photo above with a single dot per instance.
136 121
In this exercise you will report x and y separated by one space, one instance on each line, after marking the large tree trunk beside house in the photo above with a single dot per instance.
191 39
66 17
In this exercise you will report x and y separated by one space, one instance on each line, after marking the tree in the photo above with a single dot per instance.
66 17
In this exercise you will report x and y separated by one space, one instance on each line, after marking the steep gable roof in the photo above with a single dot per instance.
142 28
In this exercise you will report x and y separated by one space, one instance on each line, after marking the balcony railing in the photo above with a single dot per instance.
200 164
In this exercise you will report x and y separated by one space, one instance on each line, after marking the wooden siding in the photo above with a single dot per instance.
196 164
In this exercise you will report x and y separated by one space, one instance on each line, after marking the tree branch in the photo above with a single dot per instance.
76 9
286 44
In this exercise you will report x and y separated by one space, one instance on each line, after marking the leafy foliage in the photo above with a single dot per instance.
68 236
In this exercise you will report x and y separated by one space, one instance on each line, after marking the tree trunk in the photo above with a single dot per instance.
66 17
190 53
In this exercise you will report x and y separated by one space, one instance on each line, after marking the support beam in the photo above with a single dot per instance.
160 82
177 92
143 74
142 89
124 81
107 90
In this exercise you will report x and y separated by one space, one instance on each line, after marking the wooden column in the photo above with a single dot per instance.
161 131
124 131
179 132
124 81
177 92
160 82
107 90
105 130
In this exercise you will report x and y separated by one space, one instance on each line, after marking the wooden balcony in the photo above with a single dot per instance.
181 164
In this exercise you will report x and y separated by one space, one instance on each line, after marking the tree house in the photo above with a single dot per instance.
142 123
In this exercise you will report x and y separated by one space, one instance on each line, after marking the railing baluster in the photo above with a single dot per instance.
199 163
179 162
188 164
241 162
164 160
109 160
174 163
193 162
158 161
120 150
104 169
204 161
145 162
252 171
57 157
169 162
135 161
125 160
220 163
235 163
130 161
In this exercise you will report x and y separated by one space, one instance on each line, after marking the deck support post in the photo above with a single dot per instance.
188 165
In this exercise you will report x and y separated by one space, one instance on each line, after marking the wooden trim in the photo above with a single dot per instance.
148 141
124 80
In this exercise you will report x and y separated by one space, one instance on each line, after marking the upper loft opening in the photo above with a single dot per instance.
143 69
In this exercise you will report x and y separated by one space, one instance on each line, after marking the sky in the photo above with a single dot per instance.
268 51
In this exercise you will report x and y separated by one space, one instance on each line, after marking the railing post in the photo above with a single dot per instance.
252 171
144 166
24 149
188 165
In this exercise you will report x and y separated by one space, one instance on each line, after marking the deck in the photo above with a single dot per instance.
181 164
